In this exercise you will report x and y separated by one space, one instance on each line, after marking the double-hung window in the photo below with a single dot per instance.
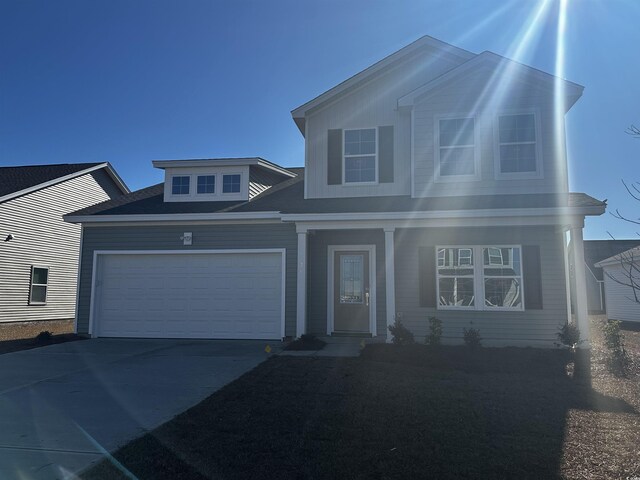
502 276
39 285
456 277
180 185
456 148
517 144
479 277
360 153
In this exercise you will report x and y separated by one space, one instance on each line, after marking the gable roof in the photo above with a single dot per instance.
18 181
573 91
368 73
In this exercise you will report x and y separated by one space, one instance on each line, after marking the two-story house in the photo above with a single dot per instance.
434 184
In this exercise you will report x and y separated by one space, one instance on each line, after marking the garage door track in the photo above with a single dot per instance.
64 406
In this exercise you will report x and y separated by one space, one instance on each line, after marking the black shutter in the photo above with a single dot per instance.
334 158
427 276
532 277
385 154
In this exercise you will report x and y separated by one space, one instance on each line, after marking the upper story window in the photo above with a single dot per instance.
206 184
180 185
231 183
360 153
456 148
517 144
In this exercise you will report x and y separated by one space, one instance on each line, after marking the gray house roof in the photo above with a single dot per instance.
597 250
287 197
16 181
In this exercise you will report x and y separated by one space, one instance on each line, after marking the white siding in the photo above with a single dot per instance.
43 239
620 300
470 96
372 105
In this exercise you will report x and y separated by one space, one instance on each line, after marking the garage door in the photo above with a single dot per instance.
203 295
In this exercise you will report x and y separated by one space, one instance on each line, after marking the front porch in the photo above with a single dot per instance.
394 284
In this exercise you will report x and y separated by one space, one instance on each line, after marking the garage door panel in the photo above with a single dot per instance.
220 295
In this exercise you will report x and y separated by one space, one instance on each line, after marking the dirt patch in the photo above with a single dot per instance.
24 330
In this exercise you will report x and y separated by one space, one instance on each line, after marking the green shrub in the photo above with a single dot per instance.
618 361
401 334
44 338
435 332
569 335
472 337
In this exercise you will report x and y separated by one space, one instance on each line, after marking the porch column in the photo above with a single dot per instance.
301 283
581 312
390 277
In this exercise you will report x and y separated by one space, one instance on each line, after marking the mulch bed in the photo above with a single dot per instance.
501 413
26 344
306 342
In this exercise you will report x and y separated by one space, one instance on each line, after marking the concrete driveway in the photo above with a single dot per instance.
62 407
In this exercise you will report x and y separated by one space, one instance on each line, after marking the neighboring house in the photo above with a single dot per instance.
435 184
594 252
38 250
622 285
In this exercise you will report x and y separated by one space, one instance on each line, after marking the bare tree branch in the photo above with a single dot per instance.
633 131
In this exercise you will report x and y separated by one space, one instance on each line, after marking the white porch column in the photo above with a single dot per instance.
301 283
581 312
390 277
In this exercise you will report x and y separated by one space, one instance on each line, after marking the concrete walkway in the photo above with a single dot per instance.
62 407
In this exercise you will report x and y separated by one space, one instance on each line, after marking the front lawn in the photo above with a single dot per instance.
310 417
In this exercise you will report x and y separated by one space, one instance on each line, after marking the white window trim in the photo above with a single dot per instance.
215 185
344 156
476 149
31 285
218 172
498 174
230 194
181 195
478 280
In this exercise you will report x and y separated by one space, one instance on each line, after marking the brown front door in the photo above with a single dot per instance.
351 291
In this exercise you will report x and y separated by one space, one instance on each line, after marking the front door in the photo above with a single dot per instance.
351 291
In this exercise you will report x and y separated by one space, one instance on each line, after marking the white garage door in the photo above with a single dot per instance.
204 295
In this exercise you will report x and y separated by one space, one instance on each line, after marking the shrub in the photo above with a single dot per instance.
618 361
435 332
472 337
44 337
401 334
569 335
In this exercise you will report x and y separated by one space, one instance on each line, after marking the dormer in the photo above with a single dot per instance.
219 179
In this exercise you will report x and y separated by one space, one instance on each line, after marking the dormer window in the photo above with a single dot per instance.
180 185
360 154
206 184
231 183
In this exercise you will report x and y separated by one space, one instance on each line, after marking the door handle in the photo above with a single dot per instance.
366 299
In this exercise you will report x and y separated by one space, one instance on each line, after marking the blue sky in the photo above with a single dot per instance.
132 81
